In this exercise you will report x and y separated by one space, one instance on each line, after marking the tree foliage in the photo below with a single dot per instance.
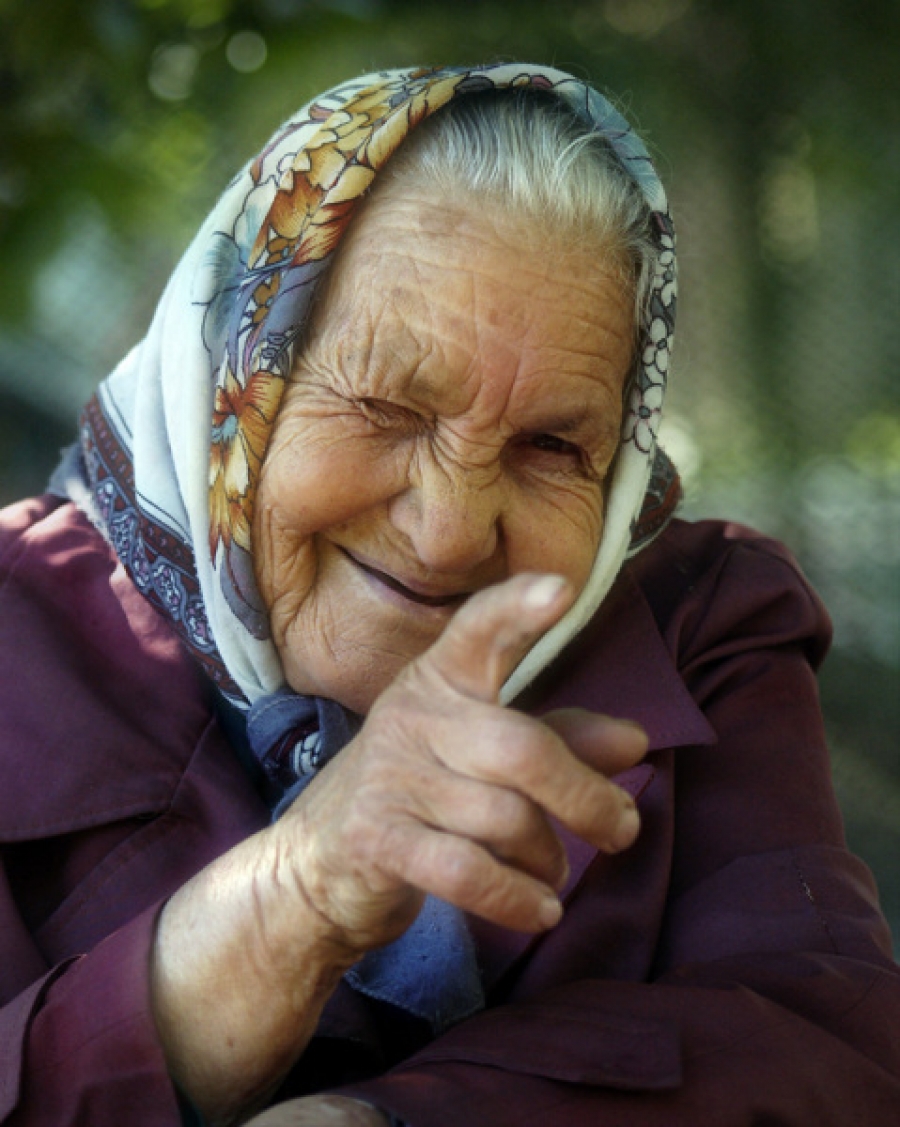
132 104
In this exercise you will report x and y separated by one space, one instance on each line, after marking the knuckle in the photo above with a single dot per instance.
461 871
510 815
519 753
387 846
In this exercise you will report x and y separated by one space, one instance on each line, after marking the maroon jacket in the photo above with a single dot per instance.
732 968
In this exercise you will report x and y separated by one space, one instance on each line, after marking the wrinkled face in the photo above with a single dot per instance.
450 422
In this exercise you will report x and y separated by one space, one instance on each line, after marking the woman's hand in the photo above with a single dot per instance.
443 791
320 1111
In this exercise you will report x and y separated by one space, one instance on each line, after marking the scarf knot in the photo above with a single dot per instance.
292 737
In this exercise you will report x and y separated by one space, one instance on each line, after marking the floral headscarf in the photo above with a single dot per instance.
174 439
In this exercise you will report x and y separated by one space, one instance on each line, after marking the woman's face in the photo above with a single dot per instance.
450 422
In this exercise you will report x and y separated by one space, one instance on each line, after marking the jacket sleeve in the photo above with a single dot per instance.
84 869
79 1044
774 998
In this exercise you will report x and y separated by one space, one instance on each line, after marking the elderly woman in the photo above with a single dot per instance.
313 799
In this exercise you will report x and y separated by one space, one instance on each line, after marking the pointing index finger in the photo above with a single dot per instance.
491 633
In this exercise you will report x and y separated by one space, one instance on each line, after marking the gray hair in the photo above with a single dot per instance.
531 153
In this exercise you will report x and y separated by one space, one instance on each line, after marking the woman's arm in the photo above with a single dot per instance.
443 791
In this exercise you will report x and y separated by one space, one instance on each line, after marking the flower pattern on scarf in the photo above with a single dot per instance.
641 424
317 190
177 435
242 421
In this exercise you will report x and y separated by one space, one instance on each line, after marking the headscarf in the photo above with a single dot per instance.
174 439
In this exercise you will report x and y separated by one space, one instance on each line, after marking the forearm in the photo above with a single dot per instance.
239 982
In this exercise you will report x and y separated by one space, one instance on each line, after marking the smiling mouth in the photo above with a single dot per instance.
452 600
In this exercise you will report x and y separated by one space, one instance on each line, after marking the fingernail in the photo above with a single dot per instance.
544 591
551 912
627 829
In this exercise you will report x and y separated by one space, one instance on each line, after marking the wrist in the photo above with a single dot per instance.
241 969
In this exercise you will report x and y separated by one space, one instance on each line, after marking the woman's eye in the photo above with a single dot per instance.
371 409
553 444
380 413
390 417
550 454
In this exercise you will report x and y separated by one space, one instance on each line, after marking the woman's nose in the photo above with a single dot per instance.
451 518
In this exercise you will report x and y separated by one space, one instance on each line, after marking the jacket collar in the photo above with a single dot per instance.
622 667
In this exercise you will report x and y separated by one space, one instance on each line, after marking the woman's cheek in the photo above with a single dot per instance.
331 480
560 530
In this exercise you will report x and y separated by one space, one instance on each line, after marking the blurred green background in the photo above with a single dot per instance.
776 126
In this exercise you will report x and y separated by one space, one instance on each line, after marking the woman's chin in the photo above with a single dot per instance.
353 680
357 629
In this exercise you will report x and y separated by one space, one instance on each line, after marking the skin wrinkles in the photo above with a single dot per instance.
382 258
429 382
449 425
450 422
368 381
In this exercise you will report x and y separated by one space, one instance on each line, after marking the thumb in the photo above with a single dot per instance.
493 630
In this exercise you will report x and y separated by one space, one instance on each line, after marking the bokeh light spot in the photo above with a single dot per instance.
173 69
246 51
